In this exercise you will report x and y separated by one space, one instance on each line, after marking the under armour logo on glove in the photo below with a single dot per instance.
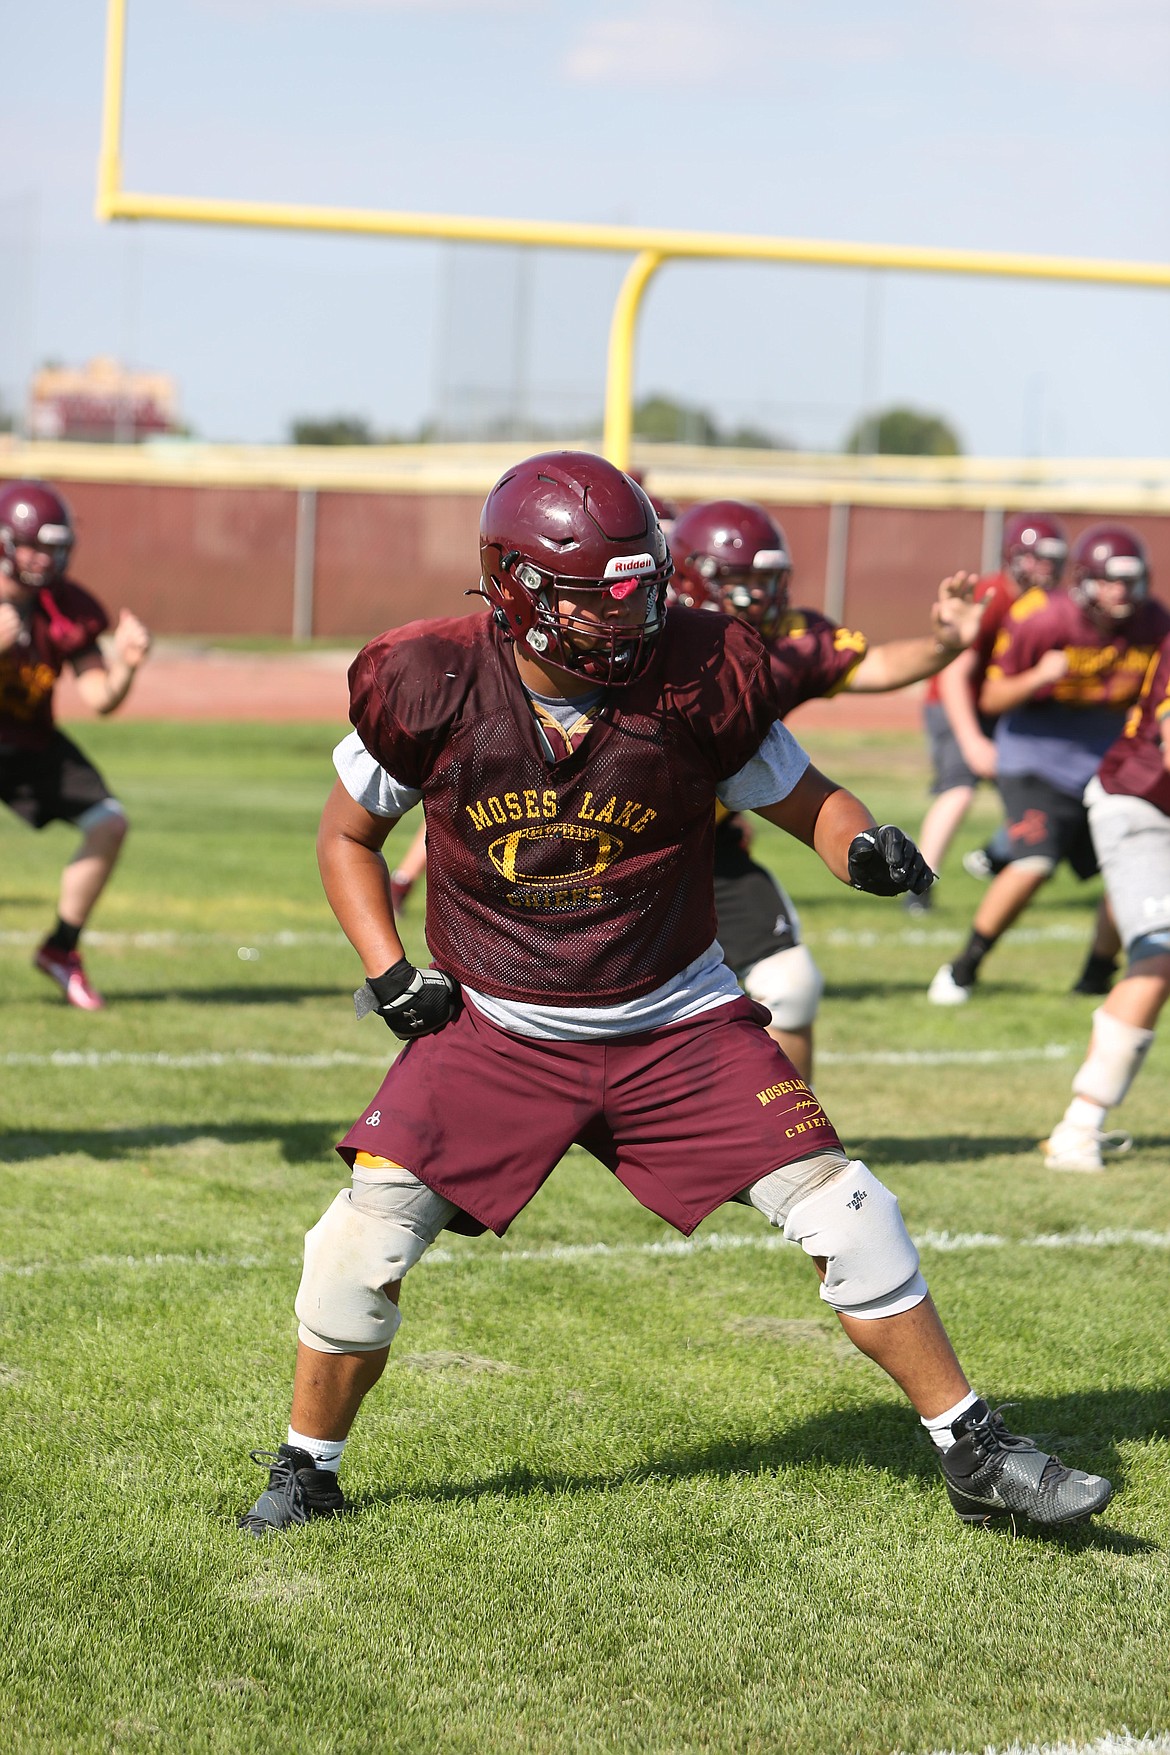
886 863
412 1002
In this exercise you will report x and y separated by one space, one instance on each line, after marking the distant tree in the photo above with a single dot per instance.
904 432
674 423
337 429
668 422
751 438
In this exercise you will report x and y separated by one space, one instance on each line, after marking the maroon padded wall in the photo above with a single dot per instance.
188 560
385 559
209 561
896 559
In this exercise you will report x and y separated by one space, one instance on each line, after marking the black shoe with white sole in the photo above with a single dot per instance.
297 1492
991 1472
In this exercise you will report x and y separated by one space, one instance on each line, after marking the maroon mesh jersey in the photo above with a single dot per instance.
584 880
1134 764
64 624
1106 667
812 656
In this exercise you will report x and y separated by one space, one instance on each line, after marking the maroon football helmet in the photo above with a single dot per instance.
568 521
733 555
1029 537
32 515
664 510
1103 554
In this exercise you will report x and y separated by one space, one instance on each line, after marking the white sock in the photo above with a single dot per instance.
1082 1113
325 1452
939 1425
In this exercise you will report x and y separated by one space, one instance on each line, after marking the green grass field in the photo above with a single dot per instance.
613 1495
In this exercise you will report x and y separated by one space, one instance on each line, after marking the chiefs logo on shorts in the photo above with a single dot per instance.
523 855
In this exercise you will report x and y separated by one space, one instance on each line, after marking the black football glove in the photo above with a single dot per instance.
886 863
412 1002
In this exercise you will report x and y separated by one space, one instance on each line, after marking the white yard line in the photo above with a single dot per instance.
97 1058
1112 1743
1056 932
670 1248
167 940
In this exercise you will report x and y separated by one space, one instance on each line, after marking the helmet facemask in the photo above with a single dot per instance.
1126 568
611 654
54 540
1021 563
757 594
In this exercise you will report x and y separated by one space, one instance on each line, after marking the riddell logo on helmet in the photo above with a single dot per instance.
622 566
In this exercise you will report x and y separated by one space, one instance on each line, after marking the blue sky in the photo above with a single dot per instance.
1000 124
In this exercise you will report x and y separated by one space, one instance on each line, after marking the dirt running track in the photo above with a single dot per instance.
189 682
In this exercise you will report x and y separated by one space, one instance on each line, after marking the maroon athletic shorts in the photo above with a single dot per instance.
686 1117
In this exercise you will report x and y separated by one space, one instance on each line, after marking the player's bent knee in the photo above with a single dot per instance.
789 984
351 1255
855 1223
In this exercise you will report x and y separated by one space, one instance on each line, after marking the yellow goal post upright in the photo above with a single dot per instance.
650 247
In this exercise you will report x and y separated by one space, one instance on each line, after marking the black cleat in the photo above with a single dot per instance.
297 1491
991 1472
1097 976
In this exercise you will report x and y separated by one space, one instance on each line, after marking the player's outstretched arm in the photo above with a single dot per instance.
954 621
356 880
838 827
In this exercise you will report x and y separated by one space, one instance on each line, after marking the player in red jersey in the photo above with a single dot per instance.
1129 817
733 555
46 622
1066 668
569 750
961 739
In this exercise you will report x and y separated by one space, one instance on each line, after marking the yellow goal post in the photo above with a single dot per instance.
649 246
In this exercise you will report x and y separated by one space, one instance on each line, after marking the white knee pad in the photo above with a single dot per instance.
371 1236
789 984
1114 1060
857 1225
776 1194
1150 944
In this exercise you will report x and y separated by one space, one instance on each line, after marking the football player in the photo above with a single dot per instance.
1129 818
46 622
569 749
735 557
1067 666
961 739
414 861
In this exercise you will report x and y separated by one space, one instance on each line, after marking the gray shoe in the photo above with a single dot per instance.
297 1492
991 1472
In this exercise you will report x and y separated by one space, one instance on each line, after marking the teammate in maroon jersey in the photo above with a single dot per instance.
1129 817
1066 668
961 739
733 555
569 750
46 622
